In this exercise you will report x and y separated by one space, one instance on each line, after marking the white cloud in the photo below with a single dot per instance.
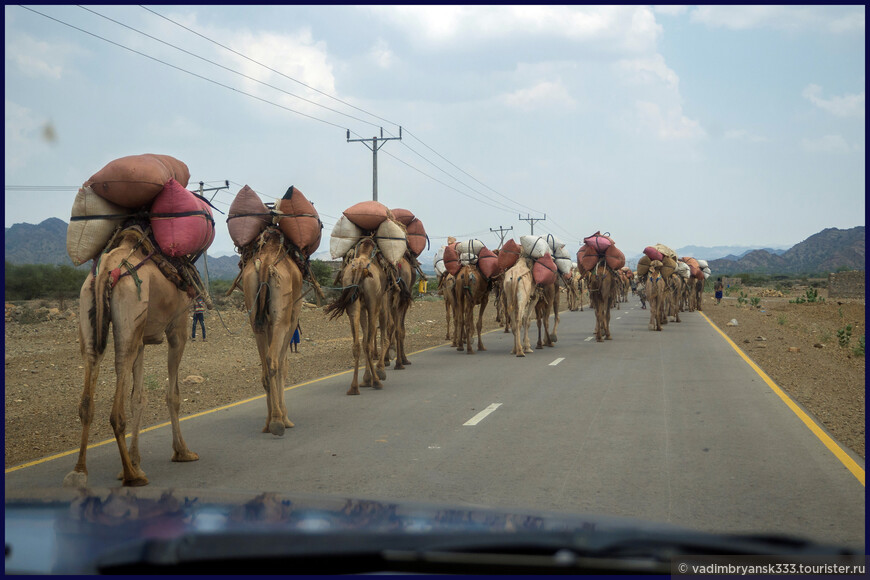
628 28
381 54
669 124
846 106
826 144
543 94
744 135
835 19
38 58
649 70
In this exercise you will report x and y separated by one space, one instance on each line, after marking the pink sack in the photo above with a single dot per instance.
487 262
248 217
598 242
544 271
182 222
652 253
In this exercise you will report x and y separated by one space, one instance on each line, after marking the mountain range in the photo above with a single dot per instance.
829 250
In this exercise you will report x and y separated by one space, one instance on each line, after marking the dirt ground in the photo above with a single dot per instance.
44 367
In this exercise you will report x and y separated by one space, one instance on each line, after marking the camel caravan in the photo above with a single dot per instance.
143 230
378 248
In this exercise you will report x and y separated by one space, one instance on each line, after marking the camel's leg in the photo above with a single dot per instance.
138 402
468 317
447 314
371 336
78 477
538 321
278 340
400 337
176 337
480 311
553 336
127 341
364 342
353 314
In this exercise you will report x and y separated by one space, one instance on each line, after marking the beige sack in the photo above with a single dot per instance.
344 236
86 238
392 240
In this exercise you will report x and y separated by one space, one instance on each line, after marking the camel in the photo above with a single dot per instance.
472 289
446 283
402 279
699 293
272 283
521 296
364 298
127 290
549 300
601 281
656 292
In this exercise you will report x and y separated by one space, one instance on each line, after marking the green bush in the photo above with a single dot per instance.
34 281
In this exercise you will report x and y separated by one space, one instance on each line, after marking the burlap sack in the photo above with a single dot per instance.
86 238
392 240
301 223
345 234
247 218
368 215
132 182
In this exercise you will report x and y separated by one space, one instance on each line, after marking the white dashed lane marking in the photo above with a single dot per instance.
482 415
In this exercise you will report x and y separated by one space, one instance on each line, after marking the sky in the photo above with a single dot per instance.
680 125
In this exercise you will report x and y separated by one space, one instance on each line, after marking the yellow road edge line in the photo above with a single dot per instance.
832 445
237 403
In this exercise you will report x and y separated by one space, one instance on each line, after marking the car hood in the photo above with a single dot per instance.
123 529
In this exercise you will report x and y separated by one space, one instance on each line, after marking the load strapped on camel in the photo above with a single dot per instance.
451 257
548 255
699 269
293 215
395 231
599 247
149 192
663 254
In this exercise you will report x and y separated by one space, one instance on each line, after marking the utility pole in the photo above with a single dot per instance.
374 147
532 221
202 191
501 232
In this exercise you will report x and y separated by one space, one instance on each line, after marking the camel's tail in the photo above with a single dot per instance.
350 292
100 313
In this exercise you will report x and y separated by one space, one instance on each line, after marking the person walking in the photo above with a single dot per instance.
198 316
717 287
294 342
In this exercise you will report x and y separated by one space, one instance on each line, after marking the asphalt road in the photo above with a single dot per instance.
670 426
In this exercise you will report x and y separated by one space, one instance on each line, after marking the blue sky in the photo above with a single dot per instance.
681 125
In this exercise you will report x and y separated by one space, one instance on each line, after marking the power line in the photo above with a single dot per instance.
181 69
226 68
267 67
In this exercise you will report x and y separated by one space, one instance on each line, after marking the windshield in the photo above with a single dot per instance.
525 269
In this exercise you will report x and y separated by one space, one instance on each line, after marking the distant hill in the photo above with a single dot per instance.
826 251
43 243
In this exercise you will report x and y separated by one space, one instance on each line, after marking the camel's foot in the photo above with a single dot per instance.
185 455
608 337
276 428
480 346
288 423
554 338
405 361
382 374
599 339
469 351
540 346
76 479
137 481
522 354
354 390
398 367
378 386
